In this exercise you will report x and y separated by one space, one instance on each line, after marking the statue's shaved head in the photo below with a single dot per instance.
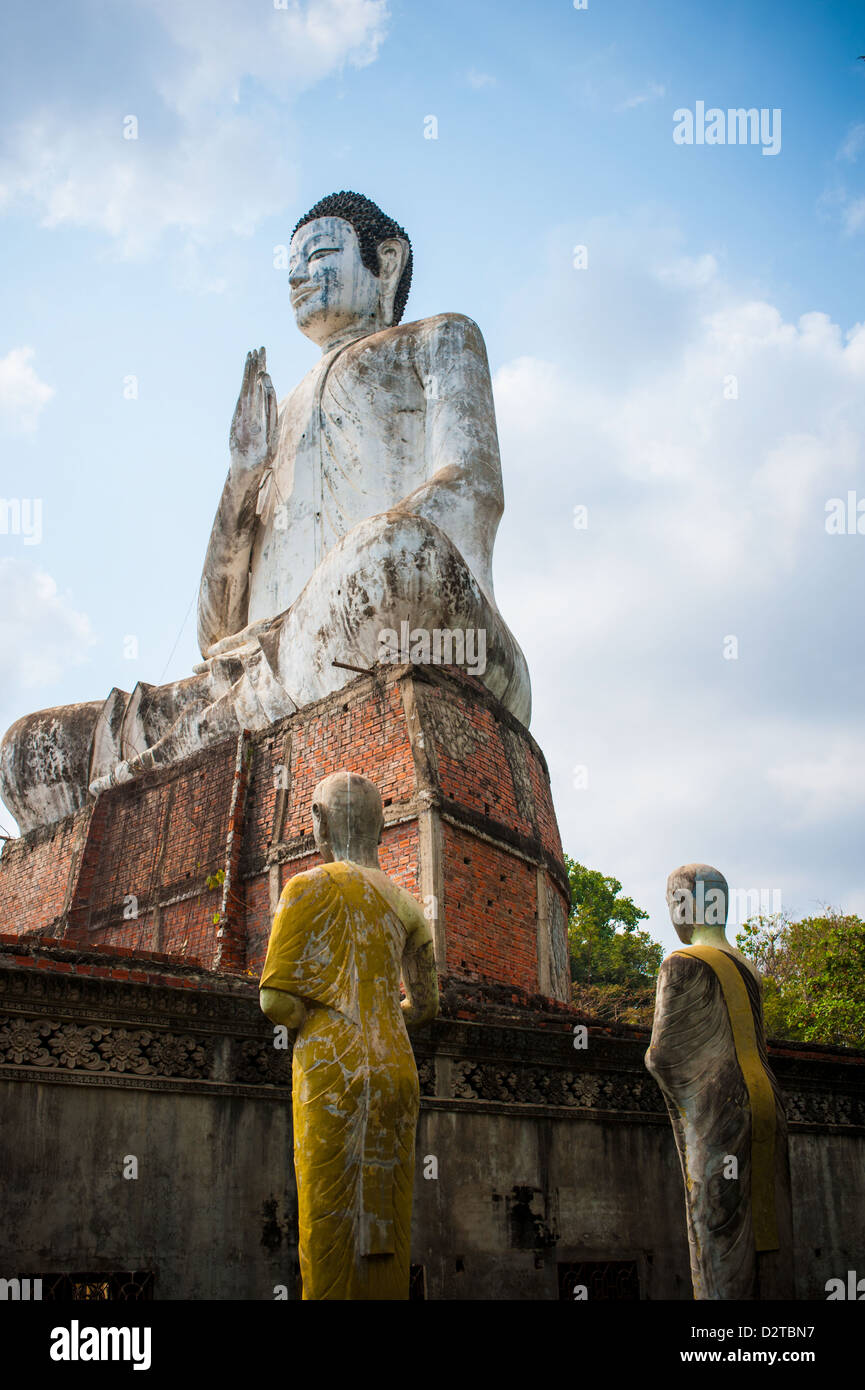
697 895
347 818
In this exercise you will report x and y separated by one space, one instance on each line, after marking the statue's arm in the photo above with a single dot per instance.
223 598
420 977
282 1007
689 1024
463 493
661 1055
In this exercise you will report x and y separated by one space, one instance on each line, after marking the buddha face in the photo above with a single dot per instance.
332 291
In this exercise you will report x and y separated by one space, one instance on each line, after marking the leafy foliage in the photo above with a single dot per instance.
814 975
615 1003
606 947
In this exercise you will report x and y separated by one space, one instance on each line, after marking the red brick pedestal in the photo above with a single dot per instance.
190 861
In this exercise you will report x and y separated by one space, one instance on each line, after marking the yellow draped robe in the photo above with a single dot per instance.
337 943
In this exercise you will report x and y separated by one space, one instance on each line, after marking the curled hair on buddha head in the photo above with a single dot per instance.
371 227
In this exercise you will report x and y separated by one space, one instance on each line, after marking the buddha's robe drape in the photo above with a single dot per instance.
337 944
382 505
708 1055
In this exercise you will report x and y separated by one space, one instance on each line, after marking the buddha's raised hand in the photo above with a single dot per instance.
253 430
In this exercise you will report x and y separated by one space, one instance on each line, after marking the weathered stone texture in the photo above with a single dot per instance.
548 1157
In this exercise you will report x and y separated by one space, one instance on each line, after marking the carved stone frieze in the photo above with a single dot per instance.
528 1085
824 1107
261 1063
426 1073
48 1043
86 1030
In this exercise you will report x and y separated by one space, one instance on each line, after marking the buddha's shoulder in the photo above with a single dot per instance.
688 963
440 334
311 884
343 883
325 875
682 962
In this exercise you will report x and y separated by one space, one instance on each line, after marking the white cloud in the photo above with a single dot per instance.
706 520
836 199
689 272
22 395
226 42
853 143
480 79
204 165
854 216
823 781
652 92
218 177
41 633
602 81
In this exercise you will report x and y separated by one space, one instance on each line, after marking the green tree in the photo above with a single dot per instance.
606 947
813 975
613 963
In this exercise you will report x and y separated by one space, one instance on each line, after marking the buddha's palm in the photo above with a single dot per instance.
253 430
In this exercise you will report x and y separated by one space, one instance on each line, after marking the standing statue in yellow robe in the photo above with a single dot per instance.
342 937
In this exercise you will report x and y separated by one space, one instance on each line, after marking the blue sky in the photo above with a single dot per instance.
153 258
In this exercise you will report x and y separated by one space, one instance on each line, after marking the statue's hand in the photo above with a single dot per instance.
238 639
281 1007
252 440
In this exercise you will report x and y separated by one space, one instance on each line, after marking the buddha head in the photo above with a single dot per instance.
349 269
347 818
697 897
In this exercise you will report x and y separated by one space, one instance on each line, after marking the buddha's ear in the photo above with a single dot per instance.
392 257
320 827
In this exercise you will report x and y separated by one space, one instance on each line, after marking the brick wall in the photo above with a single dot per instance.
38 875
142 869
491 912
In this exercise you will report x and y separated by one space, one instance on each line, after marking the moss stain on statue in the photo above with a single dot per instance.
342 937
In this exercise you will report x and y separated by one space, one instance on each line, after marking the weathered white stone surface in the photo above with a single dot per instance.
382 504
368 498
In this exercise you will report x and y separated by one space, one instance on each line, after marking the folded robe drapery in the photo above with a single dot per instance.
744 1018
337 944
708 1055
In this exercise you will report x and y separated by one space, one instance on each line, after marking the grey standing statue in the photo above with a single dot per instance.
708 1055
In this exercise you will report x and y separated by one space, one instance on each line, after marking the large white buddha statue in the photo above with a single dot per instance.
368 499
